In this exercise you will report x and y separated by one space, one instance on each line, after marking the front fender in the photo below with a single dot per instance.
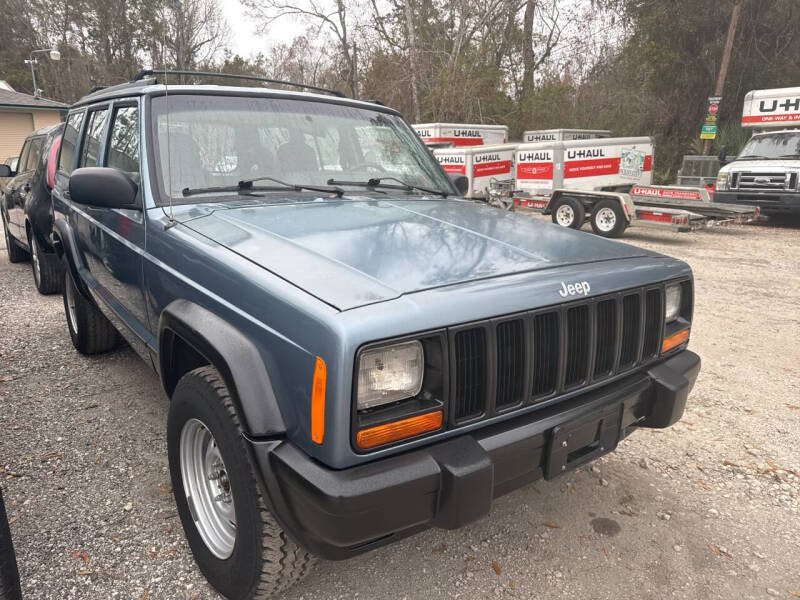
234 356
67 250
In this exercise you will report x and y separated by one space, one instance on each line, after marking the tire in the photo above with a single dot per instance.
259 560
569 212
16 254
9 574
608 219
90 331
46 269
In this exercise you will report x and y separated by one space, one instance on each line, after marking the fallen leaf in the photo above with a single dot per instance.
551 525
751 411
146 594
82 555
169 552
605 551
87 572
699 466
703 485
793 406
469 559
496 567
719 552
795 594
511 584
440 548
730 463
685 422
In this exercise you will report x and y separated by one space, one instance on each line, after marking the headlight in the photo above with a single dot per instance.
722 182
389 374
672 306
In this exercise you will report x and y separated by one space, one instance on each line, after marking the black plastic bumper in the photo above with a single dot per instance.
338 514
769 203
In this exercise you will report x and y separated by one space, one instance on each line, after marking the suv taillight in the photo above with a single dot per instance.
51 162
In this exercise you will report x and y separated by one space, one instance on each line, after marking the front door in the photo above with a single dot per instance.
112 240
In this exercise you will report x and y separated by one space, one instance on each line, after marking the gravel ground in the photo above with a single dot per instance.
707 509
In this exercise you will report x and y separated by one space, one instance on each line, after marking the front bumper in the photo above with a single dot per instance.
339 514
768 202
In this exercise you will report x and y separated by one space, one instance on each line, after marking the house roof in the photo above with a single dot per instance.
11 98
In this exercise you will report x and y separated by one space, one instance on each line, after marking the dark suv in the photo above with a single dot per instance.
27 209
352 352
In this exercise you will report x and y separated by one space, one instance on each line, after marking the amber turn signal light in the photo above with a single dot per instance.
398 430
676 339
318 402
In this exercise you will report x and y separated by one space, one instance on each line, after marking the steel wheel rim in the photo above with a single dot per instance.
207 488
565 215
70 296
37 273
606 219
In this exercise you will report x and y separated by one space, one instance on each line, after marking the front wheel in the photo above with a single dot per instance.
15 252
608 219
569 212
236 542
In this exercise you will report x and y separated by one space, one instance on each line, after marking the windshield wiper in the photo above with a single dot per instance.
246 186
789 156
377 182
752 156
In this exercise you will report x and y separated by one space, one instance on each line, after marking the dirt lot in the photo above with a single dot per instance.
707 509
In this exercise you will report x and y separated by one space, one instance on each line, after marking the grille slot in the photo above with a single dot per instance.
630 331
761 181
470 373
652 324
545 353
606 340
577 345
511 359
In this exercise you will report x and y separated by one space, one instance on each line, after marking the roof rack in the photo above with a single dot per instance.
152 72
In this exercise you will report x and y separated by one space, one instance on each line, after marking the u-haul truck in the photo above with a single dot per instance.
480 164
461 134
766 174
562 135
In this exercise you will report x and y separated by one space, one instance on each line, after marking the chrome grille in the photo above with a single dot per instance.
761 181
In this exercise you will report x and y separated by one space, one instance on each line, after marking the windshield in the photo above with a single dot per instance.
775 145
218 141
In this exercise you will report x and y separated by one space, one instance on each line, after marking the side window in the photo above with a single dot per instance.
34 152
69 141
123 147
23 156
90 150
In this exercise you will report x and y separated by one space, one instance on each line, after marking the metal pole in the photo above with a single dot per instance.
32 62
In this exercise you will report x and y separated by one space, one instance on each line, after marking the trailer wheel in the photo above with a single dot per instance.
608 219
569 212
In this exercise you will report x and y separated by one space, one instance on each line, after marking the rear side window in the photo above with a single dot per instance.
33 154
23 155
90 150
123 147
69 142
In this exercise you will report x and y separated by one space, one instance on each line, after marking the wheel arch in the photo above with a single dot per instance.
190 336
67 250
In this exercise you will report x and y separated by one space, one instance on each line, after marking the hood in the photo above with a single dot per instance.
761 165
349 253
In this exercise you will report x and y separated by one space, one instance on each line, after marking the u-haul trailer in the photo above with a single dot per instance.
694 199
461 134
480 164
580 179
562 135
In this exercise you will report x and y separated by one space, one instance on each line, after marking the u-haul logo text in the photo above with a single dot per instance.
451 160
534 156
470 133
788 105
424 133
586 153
482 158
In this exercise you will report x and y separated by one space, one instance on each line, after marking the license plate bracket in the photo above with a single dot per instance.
583 440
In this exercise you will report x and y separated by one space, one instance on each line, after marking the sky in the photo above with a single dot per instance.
244 40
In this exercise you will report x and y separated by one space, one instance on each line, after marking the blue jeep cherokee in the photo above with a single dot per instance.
352 352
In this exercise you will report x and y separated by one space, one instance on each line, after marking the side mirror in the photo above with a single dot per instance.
5 171
103 186
723 154
460 181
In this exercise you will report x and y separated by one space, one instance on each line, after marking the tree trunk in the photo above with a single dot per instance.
527 50
414 60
